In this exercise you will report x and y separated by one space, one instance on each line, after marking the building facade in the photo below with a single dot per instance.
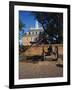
32 35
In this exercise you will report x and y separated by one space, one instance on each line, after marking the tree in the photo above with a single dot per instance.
21 32
52 24
21 25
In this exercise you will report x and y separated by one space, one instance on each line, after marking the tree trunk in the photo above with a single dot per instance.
43 53
57 53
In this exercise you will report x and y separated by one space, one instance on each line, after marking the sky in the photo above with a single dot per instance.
28 19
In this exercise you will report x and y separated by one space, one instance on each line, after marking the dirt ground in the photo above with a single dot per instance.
37 50
39 69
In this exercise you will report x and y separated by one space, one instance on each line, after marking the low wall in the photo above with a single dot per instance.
37 50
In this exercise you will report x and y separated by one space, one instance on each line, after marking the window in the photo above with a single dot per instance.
33 33
36 33
29 33
31 38
40 32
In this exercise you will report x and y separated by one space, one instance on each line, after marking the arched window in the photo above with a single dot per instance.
36 33
29 33
40 32
33 33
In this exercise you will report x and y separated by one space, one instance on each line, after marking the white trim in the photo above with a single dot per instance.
16 48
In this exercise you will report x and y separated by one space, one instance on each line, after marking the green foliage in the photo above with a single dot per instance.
21 25
52 23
